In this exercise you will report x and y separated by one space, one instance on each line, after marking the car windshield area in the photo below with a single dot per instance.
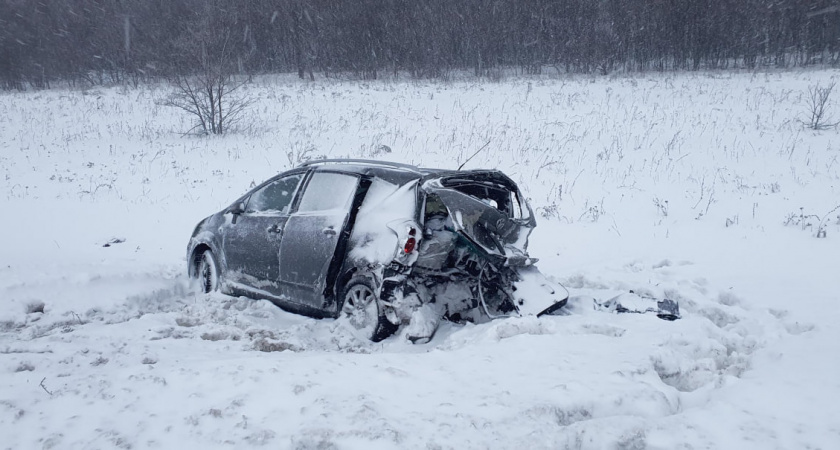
489 213
491 194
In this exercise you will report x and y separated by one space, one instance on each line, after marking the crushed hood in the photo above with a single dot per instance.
487 208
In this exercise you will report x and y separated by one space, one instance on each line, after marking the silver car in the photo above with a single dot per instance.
378 244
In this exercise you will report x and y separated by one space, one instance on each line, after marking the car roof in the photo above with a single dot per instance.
393 172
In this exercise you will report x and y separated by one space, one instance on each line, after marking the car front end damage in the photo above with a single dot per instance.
461 256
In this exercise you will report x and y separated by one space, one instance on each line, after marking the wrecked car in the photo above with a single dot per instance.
378 245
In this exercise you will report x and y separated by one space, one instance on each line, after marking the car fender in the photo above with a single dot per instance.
207 238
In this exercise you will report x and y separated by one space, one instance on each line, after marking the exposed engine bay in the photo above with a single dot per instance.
471 261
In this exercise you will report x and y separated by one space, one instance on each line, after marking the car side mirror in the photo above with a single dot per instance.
237 209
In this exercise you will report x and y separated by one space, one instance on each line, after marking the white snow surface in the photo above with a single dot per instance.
703 187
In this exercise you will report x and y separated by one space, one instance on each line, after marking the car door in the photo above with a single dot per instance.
251 240
312 234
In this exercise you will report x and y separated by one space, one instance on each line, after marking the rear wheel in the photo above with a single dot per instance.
362 312
207 272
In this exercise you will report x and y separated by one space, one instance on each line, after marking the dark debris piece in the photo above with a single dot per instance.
114 241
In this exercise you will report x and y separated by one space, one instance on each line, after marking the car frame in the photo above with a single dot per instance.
344 237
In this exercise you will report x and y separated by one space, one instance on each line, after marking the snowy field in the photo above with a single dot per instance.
705 188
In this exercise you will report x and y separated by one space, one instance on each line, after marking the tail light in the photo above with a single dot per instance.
411 242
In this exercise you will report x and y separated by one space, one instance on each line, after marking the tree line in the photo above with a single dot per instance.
114 41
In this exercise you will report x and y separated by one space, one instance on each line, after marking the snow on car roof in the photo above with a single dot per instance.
396 172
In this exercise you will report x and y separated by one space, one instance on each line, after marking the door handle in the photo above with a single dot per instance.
274 229
329 231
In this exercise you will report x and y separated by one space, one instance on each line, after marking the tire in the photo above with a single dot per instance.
207 272
362 312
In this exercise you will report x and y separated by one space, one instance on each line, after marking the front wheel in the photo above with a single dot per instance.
207 272
361 310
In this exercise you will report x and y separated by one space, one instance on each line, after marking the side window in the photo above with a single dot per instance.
275 197
328 191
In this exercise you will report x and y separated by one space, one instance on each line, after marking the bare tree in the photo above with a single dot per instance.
817 103
91 42
206 84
